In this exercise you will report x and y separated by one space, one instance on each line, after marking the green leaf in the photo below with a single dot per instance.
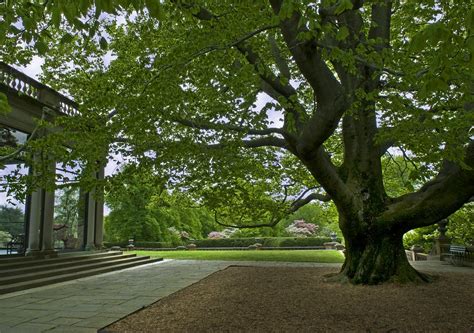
14 29
342 33
4 106
67 38
70 11
28 23
418 42
103 43
154 8
56 17
41 47
136 5
470 45
436 84
436 32
107 6
432 33
343 6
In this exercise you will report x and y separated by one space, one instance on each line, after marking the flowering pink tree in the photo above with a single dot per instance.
215 235
299 228
226 233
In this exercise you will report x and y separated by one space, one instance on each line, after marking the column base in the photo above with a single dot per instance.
89 247
41 253
50 253
33 253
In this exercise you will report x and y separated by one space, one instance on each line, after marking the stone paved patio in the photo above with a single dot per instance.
88 304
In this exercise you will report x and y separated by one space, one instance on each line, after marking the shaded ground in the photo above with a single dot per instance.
242 298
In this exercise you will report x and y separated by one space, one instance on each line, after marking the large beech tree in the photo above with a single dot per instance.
259 107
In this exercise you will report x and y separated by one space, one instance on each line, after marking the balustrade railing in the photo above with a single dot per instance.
25 85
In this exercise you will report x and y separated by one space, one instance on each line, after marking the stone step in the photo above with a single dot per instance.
70 257
75 275
58 265
43 271
14 259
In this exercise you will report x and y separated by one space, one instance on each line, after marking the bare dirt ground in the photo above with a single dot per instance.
283 299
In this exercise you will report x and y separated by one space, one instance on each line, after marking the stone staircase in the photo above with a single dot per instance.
20 273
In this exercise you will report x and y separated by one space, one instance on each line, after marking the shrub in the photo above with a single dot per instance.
177 234
299 228
226 233
424 237
5 237
215 235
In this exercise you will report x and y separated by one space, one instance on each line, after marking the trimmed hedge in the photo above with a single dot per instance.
265 241
151 245
154 245
226 242
110 244
234 242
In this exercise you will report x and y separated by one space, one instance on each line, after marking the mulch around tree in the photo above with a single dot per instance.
284 299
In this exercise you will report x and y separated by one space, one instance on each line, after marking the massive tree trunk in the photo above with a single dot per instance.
376 257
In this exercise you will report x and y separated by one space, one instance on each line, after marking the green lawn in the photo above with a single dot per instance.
323 256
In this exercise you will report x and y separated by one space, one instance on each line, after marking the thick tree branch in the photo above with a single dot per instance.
285 90
380 28
437 199
327 90
268 141
323 170
212 126
278 57
272 84
309 61
297 204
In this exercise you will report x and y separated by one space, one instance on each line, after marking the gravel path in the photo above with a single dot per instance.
273 297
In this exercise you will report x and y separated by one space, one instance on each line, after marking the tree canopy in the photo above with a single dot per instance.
258 108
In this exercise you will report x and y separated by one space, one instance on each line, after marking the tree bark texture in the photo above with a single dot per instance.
373 258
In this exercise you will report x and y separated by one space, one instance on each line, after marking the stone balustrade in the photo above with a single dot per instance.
24 85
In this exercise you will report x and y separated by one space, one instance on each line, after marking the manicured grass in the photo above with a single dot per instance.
323 256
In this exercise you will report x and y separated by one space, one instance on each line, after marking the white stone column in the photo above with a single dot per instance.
99 214
47 246
48 220
99 224
90 221
34 222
